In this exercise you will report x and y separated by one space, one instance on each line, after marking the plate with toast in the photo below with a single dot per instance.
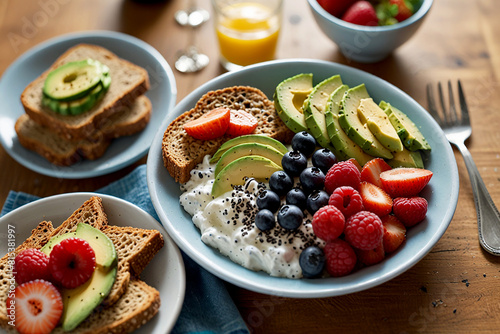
149 279
60 121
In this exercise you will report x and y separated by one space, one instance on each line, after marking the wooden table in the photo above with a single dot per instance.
456 287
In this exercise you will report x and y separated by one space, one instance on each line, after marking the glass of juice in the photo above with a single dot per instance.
247 30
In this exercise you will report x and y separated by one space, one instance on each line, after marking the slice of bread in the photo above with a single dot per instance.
125 121
181 152
128 81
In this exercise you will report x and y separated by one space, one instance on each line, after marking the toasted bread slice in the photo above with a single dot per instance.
128 81
181 152
59 151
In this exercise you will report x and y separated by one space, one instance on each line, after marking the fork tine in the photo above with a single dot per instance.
463 105
431 104
443 107
452 112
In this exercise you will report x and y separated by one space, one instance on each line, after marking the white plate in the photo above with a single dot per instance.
123 151
441 192
165 272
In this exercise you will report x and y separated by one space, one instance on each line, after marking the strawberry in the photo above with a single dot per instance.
241 123
372 169
410 210
394 233
37 306
371 256
335 7
375 199
405 182
405 9
210 125
362 13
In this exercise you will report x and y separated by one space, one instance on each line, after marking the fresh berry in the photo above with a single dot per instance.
343 173
316 200
405 182
312 261
410 210
372 169
340 258
210 125
38 307
290 217
294 162
371 256
280 182
394 233
335 7
31 264
296 197
264 220
304 143
324 159
375 199
347 200
241 123
364 230
268 199
328 223
405 9
361 13
312 178
72 262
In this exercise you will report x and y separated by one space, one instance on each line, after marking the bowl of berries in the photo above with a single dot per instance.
369 31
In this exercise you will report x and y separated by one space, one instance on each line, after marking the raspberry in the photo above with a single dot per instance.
410 210
343 173
31 264
364 230
72 262
340 258
347 200
328 223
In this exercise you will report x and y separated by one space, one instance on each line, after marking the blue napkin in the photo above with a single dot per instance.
207 307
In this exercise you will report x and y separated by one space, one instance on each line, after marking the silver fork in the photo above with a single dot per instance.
457 130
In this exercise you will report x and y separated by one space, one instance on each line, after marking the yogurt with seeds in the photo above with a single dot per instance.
227 224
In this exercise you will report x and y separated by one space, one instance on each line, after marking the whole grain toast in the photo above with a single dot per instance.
128 81
181 152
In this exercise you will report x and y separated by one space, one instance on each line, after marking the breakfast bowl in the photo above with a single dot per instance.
441 192
368 44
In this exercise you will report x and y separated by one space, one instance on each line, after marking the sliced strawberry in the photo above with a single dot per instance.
405 182
405 9
394 233
362 13
375 199
210 125
335 7
241 123
37 306
371 256
372 169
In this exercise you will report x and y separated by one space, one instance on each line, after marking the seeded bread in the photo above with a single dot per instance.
128 81
181 152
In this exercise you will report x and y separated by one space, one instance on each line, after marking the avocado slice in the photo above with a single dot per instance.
78 106
247 149
406 158
409 133
378 123
345 148
236 171
259 139
315 108
354 128
289 98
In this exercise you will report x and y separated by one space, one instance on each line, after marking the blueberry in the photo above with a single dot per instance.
290 217
324 159
316 200
280 182
312 261
264 220
296 197
312 178
294 163
304 142
268 199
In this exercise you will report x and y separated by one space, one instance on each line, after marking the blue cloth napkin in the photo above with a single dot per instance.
207 307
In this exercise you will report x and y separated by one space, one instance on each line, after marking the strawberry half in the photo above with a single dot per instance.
362 13
375 199
335 7
210 125
394 233
37 306
372 169
241 123
405 9
405 182
371 256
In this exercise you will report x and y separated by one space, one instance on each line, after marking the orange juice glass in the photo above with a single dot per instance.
247 30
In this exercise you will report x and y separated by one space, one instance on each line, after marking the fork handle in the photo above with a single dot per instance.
488 217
